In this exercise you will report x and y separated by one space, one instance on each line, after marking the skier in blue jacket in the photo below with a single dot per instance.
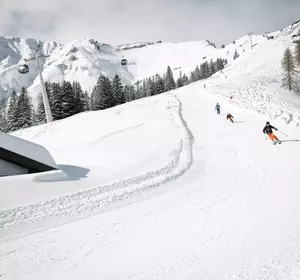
218 108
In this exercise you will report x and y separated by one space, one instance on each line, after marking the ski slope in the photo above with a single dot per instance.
163 188
166 189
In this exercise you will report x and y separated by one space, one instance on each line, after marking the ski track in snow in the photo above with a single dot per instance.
102 196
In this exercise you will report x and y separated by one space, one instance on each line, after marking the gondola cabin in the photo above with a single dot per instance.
23 69
124 61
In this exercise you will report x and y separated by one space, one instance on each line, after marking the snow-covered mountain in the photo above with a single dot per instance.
85 60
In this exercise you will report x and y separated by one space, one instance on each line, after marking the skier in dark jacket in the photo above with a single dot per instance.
218 108
230 117
268 129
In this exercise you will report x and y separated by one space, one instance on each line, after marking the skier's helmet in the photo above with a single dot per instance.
267 123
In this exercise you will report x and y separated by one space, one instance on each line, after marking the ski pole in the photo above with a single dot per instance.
283 133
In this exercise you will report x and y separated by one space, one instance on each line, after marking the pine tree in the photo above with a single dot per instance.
159 84
78 94
69 102
56 103
118 90
139 90
198 73
93 99
289 71
144 88
169 81
11 112
3 124
179 82
205 71
219 64
24 110
236 55
185 80
40 116
151 87
211 68
34 117
86 102
297 54
102 97
129 93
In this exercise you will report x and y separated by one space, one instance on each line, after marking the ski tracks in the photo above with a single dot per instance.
253 94
93 199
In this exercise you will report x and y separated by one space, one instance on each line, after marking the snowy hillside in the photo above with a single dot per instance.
163 187
174 191
85 60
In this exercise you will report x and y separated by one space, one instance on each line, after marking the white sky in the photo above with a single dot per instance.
126 21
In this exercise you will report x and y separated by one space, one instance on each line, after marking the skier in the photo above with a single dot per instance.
218 108
268 130
230 117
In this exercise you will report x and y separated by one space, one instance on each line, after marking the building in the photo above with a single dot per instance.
18 156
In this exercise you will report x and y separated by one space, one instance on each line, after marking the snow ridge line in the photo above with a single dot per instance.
102 196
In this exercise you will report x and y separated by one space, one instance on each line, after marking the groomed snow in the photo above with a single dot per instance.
163 188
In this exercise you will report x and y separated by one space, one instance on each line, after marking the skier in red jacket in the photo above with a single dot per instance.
230 117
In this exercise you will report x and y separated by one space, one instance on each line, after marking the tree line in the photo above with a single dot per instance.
290 68
67 99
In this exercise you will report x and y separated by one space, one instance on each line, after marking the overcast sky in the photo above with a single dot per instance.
126 21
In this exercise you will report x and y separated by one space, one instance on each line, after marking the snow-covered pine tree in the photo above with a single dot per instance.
86 101
11 112
93 104
297 53
40 116
219 64
78 94
185 80
24 110
68 100
211 68
236 55
159 84
34 117
169 82
105 93
151 87
49 93
205 71
289 71
139 90
56 104
179 82
129 93
198 73
118 91
144 88
3 125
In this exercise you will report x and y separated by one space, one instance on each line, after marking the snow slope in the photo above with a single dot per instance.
85 60
227 204
163 188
